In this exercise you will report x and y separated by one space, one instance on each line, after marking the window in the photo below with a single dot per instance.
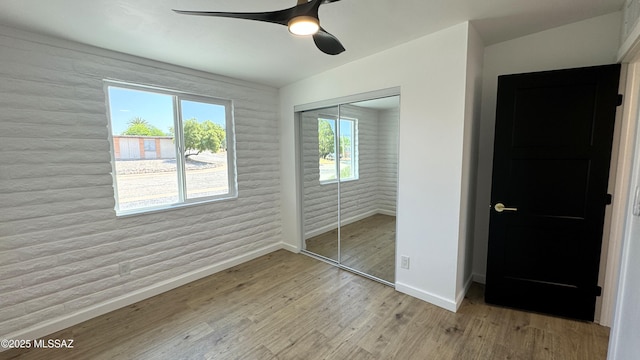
156 167
149 145
344 166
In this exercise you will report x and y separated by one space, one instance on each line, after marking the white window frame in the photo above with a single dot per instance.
336 146
178 96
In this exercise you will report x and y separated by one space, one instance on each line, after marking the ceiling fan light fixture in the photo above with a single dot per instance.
304 25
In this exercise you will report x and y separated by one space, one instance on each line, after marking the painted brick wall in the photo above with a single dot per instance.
388 160
60 241
320 202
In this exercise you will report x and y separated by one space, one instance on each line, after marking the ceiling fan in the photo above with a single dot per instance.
301 19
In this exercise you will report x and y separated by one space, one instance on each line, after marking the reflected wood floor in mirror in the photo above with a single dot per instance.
291 306
368 245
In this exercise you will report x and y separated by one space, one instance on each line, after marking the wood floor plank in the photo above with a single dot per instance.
291 306
258 353
312 345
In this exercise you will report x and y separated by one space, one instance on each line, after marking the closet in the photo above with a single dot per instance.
348 163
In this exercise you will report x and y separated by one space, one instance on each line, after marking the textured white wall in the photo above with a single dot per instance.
359 198
60 241
388 160
320 202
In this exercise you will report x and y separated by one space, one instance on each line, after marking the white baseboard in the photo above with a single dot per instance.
386 212
289 247
463 293
54 325
436 300
479 278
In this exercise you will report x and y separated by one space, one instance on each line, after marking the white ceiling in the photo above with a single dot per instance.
267 53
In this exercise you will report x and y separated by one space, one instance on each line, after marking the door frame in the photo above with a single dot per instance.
629 54
622 163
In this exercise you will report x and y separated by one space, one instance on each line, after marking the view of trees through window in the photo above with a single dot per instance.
346 162
157 167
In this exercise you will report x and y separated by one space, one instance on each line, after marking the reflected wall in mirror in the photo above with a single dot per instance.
351 180
320 188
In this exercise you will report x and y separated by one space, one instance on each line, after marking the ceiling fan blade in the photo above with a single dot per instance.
327 43
278 17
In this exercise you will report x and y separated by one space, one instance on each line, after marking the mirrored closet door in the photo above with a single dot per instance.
349 162
319 182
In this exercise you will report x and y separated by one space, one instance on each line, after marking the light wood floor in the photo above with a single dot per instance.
367 245
291 306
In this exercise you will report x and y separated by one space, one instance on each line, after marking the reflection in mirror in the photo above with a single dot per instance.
320 186
350 156
368 205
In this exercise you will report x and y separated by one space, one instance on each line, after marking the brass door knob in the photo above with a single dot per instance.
499 207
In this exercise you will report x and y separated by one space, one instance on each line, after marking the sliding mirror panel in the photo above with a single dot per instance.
320 185
368 148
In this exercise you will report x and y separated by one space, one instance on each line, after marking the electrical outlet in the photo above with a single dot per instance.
125 268
404 262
